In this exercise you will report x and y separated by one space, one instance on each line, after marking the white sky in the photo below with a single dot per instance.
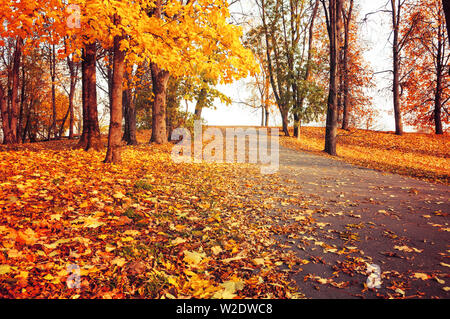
376 33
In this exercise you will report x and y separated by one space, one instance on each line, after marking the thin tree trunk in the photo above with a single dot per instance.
53 88
396 67
262 115
345 112
84 135
73 71
113 154
11 137
159 80
22 103
309 57
438 92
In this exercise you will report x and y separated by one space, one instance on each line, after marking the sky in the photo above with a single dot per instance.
375 33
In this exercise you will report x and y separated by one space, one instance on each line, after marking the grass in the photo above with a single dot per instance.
420 155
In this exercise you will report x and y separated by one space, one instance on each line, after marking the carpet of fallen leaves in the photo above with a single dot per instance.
148 228
425 156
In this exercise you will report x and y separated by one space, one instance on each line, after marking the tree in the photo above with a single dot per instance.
332 15
113 154
446 7
286 27
347 18
426 80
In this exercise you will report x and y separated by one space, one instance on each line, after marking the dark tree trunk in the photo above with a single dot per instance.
84 135
73 71
446 6
52 129
13 113
285 119
296 125
159 80
396 66
22 106
439 74
345 90
113 154
129 109
93 129
4 114
333 27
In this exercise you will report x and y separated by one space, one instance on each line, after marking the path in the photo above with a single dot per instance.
396 222
394 211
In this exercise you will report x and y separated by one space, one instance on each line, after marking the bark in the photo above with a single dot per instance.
309 57
13 112
53 89
262 115
160 79
4 114
129 109
396 67
22 105
333 27
285 118
90 138
84 134
446 6
73 70
345 103
267 116
201 100
276 84
296 125
438 93
113 155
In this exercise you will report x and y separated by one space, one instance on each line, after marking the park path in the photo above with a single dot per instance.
396 222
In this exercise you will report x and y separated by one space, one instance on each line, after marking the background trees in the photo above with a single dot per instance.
153 55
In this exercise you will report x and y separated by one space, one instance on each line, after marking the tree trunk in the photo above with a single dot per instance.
296 124
200 103
345 91
93 129
267 116
11 137
22 105
396 68
129 135
53 89
446 6
159 80
113 154
333 26
84 135
4 114
262 115
285 118
438 92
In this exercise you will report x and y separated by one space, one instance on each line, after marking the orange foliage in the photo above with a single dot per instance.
427 57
